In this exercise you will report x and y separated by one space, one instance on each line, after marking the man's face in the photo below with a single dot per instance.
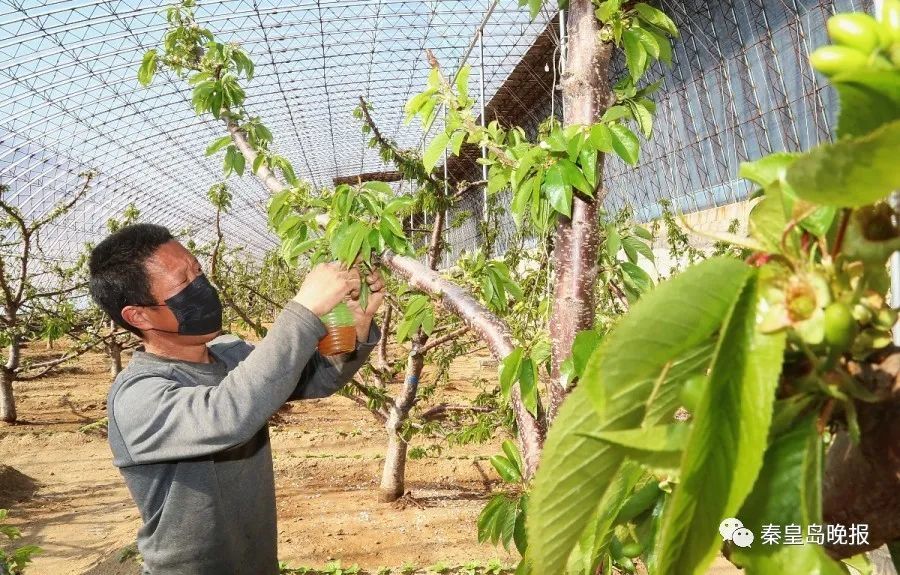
169 270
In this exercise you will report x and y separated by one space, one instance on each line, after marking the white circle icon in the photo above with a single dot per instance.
742 537
728 526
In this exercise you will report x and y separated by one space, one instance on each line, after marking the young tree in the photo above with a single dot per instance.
22 299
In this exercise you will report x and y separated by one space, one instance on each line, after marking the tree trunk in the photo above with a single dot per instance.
393 474
115 358
7 377
7 401
382 343
587 94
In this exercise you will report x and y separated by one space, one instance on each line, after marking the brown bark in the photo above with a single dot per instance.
586 93
436 248
862 481
386 176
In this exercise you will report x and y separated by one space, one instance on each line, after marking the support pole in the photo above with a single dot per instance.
562 56
484 168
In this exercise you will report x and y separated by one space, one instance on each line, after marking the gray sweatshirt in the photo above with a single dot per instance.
192 442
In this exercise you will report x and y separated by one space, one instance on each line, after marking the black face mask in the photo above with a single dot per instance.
197 308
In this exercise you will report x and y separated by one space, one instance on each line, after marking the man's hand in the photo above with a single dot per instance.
325 286
363 317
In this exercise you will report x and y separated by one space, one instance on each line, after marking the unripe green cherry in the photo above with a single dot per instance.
831 60
890 19
632 550
840 326
692 392
856 30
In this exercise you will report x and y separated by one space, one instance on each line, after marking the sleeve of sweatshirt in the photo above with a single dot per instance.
161 419
324 375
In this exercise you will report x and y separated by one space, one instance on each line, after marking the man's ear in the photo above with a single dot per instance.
136 316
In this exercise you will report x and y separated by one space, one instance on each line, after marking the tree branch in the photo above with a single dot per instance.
442 410
487 326
444 339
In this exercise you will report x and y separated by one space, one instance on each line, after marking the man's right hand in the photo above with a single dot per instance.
325 286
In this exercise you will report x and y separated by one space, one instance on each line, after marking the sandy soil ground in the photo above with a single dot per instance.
70 500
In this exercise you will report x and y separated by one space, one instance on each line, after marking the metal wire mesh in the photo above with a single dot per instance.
69 100
740 87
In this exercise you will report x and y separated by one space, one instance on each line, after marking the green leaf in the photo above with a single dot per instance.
636 280
456 141
528 384
519 534
238 162
620 376
671 437
288 170
435 150
635 353
462 82
509 370
648 41
643 117
586 342
218 145
656 17
788 492
665 47
559 194
635 54
590 548
573 176
852 172
258 162
613 241
768 221
869 99
819 222
148 68
642 233
601 138
637 246
588 162
488 517
725 450
506 469
228 162
616 112
379 187
625 143
768 169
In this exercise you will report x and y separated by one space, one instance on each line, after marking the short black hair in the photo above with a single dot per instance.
118 275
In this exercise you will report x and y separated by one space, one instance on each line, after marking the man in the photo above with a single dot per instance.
188 416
